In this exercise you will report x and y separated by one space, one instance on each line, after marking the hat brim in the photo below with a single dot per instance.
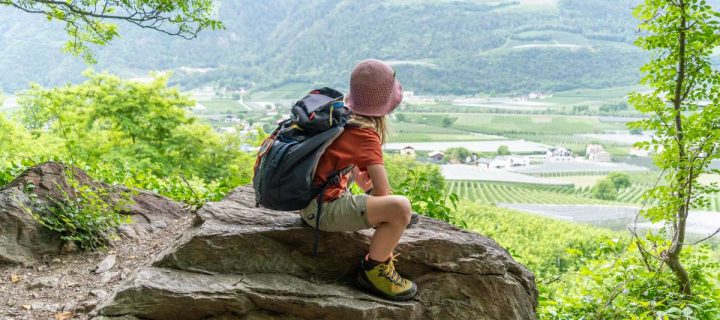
394 100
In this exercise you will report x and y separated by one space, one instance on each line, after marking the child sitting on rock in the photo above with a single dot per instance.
374 93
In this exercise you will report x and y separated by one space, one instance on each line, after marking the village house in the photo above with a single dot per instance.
436 156
559 154
408 151
232 119
596 152
594 148
503 162
483 163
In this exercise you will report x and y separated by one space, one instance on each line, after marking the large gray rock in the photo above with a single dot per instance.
238 261
23 240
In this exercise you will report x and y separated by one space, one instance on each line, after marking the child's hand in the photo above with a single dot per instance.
362 179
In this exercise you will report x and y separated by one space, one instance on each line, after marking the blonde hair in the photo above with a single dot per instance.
379 124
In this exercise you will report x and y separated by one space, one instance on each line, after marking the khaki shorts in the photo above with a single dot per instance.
346 213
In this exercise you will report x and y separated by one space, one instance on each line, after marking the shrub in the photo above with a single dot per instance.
605 190
89 218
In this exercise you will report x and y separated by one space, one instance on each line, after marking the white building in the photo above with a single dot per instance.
594 148
596 152
602 156
503 162
558 154
232 119
408 151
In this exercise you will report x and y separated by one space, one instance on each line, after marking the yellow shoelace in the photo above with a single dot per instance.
388 271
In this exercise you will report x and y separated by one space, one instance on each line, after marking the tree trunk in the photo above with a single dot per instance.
672 255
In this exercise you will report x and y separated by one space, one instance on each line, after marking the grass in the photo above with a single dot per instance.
416 132
502 124
591 97
553 130
533 124
294 90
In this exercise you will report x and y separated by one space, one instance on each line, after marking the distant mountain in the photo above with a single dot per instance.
437 46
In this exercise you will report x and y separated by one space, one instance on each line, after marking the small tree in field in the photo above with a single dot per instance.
604 190
503 150
684 113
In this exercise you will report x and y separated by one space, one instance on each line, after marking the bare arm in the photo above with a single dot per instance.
380 183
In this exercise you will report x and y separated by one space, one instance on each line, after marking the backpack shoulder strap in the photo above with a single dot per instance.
333 179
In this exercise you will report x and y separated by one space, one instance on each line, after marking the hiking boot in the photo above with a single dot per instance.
382 279
414 218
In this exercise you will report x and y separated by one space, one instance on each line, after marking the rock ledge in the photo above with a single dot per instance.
238 261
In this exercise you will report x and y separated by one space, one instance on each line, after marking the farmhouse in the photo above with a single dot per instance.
503 162
602 156
558 154
436 156
483 163
232 119
408 151
596 152
594 148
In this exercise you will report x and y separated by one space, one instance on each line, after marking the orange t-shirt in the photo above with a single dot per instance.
355 146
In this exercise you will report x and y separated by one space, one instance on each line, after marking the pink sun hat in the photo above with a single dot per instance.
374 91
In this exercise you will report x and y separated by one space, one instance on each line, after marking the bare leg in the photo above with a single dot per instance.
391 215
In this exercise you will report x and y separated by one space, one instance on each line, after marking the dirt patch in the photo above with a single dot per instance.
65 287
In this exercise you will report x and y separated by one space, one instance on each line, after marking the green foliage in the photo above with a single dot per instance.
590 273
605 190
87 217
86 21
424 186
428 198
129 133
144 126
621 285
503 150
546 246
683 111
620 180
458 154
447 122
17 143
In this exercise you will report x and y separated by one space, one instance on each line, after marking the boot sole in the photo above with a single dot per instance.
365 285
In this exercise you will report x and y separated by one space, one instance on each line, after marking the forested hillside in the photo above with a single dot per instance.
438 46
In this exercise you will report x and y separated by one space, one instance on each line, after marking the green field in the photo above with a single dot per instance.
287 91
222 106
591 96
417 132
502 124
553 130
492 192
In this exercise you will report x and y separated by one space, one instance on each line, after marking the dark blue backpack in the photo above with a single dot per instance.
287 159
